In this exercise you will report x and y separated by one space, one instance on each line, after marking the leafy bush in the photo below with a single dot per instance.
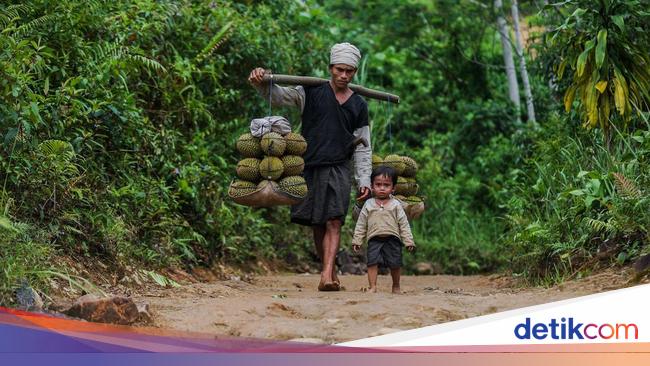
577 202
602 46
119 121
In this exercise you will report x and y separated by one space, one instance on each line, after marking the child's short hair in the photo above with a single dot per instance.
384 171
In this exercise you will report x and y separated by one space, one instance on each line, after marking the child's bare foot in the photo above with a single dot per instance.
397 290
369 289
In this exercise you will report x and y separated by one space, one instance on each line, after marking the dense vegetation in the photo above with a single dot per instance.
119 120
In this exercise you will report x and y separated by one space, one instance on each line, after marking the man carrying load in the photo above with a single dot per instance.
333 118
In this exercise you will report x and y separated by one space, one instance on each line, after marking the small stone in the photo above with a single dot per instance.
144 315
423 268
642 264
606 249
28 299
305 268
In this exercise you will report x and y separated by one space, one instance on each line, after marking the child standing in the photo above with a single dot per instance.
383 222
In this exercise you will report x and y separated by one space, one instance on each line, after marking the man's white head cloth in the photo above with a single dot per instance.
345 53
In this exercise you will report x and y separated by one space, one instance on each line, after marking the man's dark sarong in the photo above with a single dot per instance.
328 197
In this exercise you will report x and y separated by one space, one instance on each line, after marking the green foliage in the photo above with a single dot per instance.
119 121
24 255
576 201
459 228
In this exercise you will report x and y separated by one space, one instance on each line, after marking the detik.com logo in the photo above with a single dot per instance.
568 328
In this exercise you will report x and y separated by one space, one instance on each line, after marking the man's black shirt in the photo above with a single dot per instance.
328 126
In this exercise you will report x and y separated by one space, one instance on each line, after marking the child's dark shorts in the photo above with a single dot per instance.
385 251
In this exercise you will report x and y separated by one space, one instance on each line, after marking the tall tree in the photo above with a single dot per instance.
519 46
502 26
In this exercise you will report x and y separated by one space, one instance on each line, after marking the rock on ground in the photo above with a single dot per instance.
116 309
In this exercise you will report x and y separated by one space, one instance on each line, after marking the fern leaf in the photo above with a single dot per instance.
215 42
608 226
105 51
626 188
92 5
148 62
116 52
12 12
17 9
26 28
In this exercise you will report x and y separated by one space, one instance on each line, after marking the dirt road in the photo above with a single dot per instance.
288 307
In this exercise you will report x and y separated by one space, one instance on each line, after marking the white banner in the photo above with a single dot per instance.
618 316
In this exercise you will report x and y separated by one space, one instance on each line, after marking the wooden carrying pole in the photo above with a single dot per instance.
312 81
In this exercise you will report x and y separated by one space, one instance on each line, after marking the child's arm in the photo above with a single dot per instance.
361 229
404 229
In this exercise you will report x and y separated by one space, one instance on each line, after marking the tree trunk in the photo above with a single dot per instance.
519 45
513 86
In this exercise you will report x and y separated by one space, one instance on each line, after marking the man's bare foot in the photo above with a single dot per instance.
397 290
335 278
325 279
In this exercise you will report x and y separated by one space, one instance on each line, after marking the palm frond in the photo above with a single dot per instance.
55 147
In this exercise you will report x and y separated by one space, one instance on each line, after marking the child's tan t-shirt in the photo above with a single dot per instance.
389 219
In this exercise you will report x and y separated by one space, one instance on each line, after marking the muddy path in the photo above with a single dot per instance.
288 307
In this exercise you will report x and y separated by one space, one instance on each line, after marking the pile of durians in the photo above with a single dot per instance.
406 168
271 158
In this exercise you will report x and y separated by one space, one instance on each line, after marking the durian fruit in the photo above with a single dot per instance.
249 146
293 165
376 161
402 187
395 162
273 144
294 185
240 188
410 166
271 168
411 187
249 169
296 144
